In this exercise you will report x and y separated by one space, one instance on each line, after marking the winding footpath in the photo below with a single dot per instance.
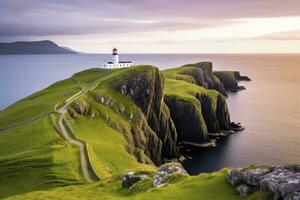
89 173
85 161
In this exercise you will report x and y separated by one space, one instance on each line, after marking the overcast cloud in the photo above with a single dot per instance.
36 19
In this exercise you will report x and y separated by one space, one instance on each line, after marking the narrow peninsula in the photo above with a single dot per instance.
116 134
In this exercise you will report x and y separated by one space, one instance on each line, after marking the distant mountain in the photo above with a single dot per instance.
37 47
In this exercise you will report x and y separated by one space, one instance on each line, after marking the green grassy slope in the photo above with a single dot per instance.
39 103
106 128
34 157
35 162
205 186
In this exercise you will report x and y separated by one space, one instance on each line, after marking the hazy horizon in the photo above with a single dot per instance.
163 26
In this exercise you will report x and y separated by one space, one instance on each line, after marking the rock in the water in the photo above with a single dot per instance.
244 190
167 170
130 178
235 177
236 126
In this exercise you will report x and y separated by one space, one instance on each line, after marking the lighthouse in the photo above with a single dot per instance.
115 63
115 56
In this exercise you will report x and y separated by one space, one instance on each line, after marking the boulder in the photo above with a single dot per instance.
235 177
167 170
282 181
292 196
244 190
130 178
82 108
253 176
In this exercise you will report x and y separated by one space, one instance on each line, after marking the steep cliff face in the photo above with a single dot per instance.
188 120
159 112
215 112
230 79
145 88
195 109
194 122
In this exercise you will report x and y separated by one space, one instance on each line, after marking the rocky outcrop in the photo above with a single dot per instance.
158 123
222 113
282 181
167 170
217 118
230 79
145 87
191 128
130 178
203 75
203 118
164 174
244 190
239 77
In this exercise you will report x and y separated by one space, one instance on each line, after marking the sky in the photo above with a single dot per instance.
156 26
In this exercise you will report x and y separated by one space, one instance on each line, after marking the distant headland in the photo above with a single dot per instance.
35 47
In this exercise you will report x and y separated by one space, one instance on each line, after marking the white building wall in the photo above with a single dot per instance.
115 59
119 65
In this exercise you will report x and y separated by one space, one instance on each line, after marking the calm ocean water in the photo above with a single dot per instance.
269 108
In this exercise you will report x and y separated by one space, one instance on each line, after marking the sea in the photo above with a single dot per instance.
269 108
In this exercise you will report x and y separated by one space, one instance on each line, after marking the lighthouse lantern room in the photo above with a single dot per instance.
115 63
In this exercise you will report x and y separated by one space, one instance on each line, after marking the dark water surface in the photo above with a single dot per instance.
269 108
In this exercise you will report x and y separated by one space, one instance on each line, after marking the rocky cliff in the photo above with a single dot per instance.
160 109
145 88
136 94
193 90
230 79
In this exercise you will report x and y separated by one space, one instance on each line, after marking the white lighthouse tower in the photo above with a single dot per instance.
115 63
115 57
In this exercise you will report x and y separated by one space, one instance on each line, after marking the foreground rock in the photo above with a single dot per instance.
282 181
167 170
130 178
161 178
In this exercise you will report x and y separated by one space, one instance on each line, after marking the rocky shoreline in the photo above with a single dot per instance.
214 137
282 181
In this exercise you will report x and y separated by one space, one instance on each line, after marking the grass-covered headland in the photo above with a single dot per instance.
77 138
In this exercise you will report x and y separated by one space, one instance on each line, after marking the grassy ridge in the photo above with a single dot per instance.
35 161
39 103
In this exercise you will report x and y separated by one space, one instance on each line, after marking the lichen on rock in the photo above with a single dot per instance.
282 181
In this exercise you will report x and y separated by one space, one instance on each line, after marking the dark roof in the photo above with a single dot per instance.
120 62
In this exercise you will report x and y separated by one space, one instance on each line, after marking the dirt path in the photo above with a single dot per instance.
85 161
66 135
